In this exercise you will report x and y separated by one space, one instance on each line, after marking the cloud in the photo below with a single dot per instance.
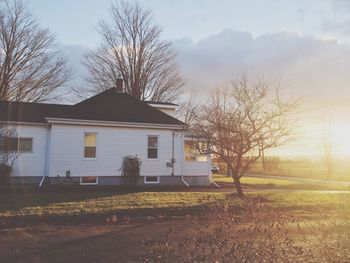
73 54
309 66
339 22
341 5
314 68
339 27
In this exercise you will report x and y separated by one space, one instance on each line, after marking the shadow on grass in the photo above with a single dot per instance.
123 216
17 197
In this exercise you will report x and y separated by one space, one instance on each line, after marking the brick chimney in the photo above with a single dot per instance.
119 85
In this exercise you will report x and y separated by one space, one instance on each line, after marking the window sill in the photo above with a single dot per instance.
89 159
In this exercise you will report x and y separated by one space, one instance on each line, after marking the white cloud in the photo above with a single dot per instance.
314 68
341 5
310 66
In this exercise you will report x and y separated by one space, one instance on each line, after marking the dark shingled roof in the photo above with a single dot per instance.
106 106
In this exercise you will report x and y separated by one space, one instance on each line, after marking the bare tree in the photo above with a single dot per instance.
189 108
133 49
327 149
242 121
30 68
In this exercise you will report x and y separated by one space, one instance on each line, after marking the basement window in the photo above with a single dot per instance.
88 180
151 179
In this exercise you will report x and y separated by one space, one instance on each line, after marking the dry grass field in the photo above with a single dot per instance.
277 221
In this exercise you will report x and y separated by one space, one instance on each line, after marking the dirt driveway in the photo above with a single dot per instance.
83 243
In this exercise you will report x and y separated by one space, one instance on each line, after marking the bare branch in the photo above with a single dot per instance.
242 121
30 68
132 47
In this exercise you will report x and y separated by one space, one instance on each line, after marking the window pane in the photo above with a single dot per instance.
90 145
152 153
201 158
151 179
25 145
89 180
196 150
190 157
203 147
90 139
189 147
12 144
152 141
90 152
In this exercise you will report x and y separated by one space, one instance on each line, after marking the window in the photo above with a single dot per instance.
25 145
21 145
152 147
196 151
90 146
86 180
151 179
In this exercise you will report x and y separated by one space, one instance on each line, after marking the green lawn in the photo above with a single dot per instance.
67 204
267 183
85 203
96 201
253 181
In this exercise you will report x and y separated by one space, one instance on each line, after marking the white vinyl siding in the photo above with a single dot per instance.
113 143
32 159
60 148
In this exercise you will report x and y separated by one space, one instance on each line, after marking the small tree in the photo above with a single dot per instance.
242 121
7 157
130 168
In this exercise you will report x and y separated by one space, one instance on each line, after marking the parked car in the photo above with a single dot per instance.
214 169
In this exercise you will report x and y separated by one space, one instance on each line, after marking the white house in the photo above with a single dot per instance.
87 141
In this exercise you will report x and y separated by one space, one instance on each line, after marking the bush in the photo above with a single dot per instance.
5 172
131 169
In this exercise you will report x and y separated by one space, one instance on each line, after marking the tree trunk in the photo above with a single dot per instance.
238 187
237 182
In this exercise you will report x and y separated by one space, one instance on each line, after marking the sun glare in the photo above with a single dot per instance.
310 140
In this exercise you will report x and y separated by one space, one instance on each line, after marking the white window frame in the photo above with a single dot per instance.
81 180
90 158
145 180
153 159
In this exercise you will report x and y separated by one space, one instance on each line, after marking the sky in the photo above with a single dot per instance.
302 44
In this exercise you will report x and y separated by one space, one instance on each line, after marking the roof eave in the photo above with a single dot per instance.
114 124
